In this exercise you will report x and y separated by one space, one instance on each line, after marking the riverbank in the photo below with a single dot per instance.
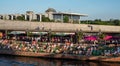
61 56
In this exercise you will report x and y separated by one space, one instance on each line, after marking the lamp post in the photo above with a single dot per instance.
99 32
27 32
81 34
76 36
6 35
49 35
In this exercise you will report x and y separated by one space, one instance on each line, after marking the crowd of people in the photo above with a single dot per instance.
82 49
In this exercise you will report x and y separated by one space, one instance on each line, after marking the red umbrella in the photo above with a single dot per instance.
91 38
107 37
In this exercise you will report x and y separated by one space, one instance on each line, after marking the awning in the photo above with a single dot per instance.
63 34
17 32
39 33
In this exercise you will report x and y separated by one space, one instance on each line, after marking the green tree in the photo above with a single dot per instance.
29 34
78 35
97 20
45 19
100 22
35 20
20 18
66 19
116 22
101 36
52 20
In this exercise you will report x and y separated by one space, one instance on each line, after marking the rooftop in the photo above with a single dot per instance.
50 10
71 13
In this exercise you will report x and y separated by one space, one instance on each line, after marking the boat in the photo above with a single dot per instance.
43 55
61 56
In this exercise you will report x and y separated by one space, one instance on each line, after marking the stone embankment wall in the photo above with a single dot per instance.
57 27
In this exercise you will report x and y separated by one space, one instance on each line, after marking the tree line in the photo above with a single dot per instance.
115 22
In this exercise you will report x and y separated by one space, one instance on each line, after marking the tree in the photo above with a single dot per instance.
97 20
101 36
52 20
35 20
66 19
45 19
49 35
116 22
100 22
29 34
20 18
78 36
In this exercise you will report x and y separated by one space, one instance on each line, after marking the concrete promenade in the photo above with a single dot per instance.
56 27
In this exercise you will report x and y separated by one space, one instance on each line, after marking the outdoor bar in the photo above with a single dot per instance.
60 40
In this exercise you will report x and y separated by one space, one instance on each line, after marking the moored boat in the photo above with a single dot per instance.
61 56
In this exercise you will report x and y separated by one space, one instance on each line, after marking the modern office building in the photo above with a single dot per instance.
28 16
51 13
59 16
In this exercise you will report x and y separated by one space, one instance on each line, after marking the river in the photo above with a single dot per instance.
6 60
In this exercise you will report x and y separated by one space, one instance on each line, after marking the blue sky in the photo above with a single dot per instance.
96 9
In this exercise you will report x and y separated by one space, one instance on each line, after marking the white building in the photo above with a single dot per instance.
59 16
51 13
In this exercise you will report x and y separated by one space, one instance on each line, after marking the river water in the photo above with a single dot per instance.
6 60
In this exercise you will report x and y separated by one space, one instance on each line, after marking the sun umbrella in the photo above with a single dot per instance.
91 38
107 37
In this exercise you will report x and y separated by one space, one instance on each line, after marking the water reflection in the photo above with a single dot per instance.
27 61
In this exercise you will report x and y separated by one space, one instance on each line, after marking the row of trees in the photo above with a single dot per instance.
100 22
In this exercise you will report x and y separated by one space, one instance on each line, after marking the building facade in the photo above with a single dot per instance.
50 13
